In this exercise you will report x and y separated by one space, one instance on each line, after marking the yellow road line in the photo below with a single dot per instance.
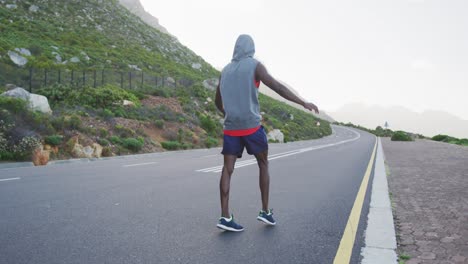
343 255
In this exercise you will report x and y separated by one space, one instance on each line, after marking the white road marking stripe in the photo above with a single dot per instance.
10 179
209 156
242 163
140 164
249 162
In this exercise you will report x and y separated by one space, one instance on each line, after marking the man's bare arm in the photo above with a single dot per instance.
218 99
261 74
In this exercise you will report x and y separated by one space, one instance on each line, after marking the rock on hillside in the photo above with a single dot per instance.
135 7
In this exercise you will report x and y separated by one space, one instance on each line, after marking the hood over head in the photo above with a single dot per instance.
244 48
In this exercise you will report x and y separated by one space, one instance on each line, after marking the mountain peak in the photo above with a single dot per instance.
137 8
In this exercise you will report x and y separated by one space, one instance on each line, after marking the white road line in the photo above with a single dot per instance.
10 179
210 156
249 162
140 164
242 163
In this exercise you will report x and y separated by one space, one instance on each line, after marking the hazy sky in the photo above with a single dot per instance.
412 53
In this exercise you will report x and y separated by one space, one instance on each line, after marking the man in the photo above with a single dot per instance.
237 99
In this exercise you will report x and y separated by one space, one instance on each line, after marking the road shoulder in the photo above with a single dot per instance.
380 239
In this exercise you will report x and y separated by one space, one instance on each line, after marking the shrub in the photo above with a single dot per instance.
159 124
54 140
58 123
211 142
103 132
208 124
103 142
102 97
106 114
124 131
74 122
444 138
116 140
106 152
56 93
22 150
171 145
401 136
14 105
133 144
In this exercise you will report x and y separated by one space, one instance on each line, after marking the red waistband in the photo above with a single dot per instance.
241 132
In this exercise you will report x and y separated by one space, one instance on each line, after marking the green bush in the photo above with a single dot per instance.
159 124
124 131
74 122
116 140
106 114
401 136
208 124
54 140
103 132
102 97
14 105
56 93
171 145
211 142
444 138
133 144
103 142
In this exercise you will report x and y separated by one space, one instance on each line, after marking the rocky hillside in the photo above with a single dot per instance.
91 34
135 7
105 119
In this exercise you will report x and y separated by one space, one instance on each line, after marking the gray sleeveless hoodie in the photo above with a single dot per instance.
238 90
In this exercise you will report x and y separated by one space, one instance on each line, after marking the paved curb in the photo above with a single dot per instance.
380 236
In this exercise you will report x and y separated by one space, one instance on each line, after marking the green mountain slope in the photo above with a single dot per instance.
100 33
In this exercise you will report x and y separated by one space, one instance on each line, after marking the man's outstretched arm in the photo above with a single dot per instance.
261 74
218 99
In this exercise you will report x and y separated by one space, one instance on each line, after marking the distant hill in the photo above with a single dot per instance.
428 123
267 91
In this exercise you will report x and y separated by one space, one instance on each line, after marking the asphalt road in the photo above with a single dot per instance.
163 208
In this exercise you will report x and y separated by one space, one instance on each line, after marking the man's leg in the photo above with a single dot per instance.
225 183
264 179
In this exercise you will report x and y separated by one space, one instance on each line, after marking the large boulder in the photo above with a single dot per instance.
276 135
39 103
36 102
40 157
80 151
211 84
17 93
170 82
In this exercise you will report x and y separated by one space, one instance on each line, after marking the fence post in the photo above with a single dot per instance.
72 76
45 77
30 79
59 76
94 78
130 79
121 80
142 78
